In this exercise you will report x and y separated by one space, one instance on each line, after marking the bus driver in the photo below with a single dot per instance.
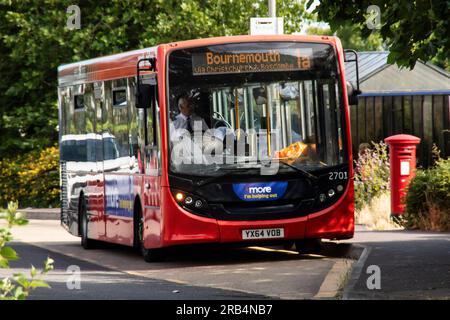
187 119
184 125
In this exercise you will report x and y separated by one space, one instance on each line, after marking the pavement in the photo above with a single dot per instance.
41 213
412 265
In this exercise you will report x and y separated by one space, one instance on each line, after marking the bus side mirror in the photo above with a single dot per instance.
352 94
144 96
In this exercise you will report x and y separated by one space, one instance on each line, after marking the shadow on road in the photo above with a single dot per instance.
210 254
97 282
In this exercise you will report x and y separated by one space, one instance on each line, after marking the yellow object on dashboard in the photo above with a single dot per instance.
293 151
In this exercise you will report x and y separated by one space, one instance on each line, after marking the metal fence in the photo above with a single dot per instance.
378 116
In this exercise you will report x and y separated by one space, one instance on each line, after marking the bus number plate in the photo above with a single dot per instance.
263 233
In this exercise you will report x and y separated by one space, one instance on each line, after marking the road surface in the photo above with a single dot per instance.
117 272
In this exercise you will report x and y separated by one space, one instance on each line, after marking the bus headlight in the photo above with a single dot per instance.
331 193
198 203
179 196
189 201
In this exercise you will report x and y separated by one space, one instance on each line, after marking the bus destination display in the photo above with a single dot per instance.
209 62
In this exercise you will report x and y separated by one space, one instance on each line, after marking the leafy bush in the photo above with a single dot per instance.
19 287
32 178
428 199
372 176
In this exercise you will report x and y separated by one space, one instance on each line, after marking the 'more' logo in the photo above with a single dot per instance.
259 190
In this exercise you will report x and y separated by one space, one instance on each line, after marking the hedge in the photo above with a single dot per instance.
32 179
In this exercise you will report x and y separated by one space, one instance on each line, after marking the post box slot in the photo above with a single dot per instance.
404 153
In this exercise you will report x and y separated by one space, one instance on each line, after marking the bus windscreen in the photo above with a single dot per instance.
255 101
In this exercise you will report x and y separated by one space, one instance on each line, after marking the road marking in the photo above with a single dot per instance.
273 250
143 275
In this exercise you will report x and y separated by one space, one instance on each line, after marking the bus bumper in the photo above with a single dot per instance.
335 222
181 227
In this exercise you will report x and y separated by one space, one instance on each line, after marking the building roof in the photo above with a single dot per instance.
376 75
368 63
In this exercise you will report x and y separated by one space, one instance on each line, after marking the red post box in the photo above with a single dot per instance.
402 153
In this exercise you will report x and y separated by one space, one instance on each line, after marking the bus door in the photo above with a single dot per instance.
117 163
152 160
331 119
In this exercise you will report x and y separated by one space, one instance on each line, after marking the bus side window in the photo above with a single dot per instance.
79 120
152 150
136 135
120 117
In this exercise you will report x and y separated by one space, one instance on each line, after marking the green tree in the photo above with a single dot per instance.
351 37
411 30
34 40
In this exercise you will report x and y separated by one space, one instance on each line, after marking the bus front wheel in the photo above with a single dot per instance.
308 246
86 243
150 255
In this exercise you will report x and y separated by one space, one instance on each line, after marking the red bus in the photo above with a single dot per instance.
242 139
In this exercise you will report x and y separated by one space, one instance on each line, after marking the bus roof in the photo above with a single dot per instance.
110 67
123 65
250 38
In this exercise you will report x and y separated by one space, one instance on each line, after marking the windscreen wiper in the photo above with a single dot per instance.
301 171
228 172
